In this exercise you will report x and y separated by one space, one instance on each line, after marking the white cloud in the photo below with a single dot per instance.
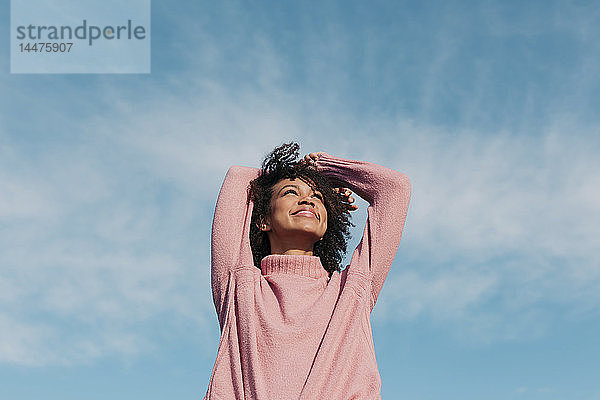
22 343
500 226
111 233
90 254
446 296
499 223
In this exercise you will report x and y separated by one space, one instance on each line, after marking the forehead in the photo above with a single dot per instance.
300 182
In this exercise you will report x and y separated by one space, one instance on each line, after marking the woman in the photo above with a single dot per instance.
293 324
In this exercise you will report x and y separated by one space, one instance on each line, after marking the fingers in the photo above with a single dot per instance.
348 199
350 206
344 192
312 158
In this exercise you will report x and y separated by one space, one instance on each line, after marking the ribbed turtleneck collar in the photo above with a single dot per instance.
309 266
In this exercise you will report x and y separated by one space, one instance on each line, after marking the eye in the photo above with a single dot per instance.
290 191
318 196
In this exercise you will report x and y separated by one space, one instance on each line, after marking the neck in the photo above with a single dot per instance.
292 248
297 252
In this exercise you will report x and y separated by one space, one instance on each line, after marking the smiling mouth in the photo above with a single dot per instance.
306 213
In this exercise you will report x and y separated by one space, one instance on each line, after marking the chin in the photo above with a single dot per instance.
310 234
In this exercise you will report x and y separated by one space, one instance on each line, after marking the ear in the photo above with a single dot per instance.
265 225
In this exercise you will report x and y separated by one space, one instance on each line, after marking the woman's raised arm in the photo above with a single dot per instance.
388 194
230 242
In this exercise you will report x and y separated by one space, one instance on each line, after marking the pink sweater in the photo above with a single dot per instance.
288 331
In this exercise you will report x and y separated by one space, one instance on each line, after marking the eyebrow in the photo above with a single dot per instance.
315 191
289 185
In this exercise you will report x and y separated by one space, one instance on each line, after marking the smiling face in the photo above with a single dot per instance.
298 217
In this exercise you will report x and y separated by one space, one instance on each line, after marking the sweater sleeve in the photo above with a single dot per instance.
230 241
388 194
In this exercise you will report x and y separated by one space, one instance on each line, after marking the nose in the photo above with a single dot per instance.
307 200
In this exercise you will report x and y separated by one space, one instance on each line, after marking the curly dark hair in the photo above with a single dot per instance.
283 163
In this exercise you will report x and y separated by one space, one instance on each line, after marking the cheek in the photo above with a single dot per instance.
325 215
278 212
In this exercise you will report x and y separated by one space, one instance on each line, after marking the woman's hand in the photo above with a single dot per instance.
312 158
347 198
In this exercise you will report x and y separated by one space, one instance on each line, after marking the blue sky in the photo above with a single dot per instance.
109 183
